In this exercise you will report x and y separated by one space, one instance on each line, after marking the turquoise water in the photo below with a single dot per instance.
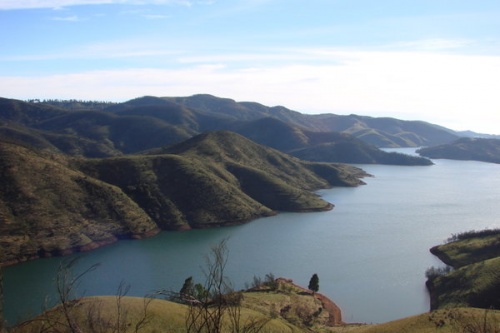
370 252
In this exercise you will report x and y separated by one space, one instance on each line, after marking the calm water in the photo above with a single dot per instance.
370 252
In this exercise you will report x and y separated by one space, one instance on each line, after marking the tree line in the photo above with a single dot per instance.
74 104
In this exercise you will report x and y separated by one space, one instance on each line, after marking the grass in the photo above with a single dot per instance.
459 320
476 279
166 316
475 285
162 316
469 250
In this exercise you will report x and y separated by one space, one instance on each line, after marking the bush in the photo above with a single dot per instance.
435 272
472 234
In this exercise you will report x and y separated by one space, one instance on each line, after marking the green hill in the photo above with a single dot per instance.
53 204
477 149
320 146
382 132
97 129
475 280
49 208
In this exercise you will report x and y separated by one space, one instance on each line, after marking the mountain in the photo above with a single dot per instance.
471 134
320 146
478 149
52 204
84 133
381 132
150 122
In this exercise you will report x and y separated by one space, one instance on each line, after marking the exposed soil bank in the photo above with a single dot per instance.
335 314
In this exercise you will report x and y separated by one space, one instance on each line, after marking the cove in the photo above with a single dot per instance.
370 252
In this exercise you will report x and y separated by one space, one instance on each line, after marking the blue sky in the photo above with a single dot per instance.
432 60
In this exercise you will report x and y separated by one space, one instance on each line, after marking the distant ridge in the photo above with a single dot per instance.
150 122
477 149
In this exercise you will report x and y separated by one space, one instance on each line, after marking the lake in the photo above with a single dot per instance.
370 252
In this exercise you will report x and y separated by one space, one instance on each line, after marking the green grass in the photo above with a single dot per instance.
476 285
161 316
476 279
469 250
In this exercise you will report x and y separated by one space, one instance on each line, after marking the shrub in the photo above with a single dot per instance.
472 234
435 272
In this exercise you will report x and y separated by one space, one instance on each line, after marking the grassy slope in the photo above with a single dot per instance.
476 280
444 321
52 204
165 316
49 208
476 285
219 178
468 251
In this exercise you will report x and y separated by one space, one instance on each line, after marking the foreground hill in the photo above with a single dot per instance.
287 310
52 204
477 149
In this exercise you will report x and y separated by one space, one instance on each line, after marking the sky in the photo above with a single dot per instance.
430 60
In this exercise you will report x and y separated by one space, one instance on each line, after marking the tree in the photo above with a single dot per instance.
214 306
210 302
187 289
314 283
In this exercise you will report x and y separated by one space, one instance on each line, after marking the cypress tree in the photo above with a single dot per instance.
314 283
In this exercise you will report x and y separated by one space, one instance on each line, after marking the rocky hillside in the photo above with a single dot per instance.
54 204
